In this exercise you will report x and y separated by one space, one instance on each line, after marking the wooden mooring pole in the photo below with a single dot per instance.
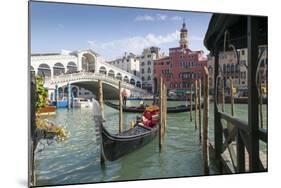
190 102
205 122
222 95
260 88
161 115
100 98
231 96
120 109
196 105
199 104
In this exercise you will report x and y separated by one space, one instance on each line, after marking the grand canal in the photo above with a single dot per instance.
76 159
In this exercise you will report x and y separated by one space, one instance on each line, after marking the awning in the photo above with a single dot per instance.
183 91
236 25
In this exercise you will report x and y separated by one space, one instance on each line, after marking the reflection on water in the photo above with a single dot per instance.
76 160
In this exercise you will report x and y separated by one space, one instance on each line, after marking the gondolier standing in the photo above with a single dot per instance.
124 95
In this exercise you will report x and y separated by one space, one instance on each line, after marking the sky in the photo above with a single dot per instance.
111 31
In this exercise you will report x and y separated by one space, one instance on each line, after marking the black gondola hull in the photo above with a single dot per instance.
116 146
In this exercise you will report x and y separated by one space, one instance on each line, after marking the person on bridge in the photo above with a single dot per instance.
124 95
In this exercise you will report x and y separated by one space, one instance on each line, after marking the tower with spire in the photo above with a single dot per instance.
183 36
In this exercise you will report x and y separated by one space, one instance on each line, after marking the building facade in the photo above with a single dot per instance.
129 63
147 58
237 71
182 67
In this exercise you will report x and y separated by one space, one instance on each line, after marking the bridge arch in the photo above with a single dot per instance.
44 70
119 76
58 69
111 73
102 70
126 79
71 67
132 81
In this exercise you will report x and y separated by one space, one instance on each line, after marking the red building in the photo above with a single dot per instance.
182 67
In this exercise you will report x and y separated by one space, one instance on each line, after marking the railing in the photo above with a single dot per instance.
91 76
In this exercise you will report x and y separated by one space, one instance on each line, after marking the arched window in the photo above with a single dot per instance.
111 73
44 70
149 70
148 63
142 78
71 67
126 79
138 84
142 64
148 78
132 81
119 76
58 69
102 70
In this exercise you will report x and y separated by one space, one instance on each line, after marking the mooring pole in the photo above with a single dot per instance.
261 101
68 96
205 122
199 104
196 105
231 96
222 95
100 98
120 108
190 103
56 95
161 115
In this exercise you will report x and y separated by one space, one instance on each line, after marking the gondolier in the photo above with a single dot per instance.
124 95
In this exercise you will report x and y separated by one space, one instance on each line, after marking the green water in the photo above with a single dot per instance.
76 160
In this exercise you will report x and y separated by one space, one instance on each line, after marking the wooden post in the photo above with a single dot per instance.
199 104
190 103
161 115
165 106
261 116
205 122
68 96
196 105
231 96
120 109
222 95
101 98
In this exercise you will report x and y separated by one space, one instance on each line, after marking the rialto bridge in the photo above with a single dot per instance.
83 69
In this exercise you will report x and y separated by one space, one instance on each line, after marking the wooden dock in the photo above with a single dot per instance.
226 160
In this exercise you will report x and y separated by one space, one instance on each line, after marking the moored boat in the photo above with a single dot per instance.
139 109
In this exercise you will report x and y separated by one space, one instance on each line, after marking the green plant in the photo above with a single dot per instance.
41 92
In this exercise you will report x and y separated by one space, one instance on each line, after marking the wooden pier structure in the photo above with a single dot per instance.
236 147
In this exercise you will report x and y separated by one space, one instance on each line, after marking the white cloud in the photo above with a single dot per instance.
144 18
176 18
157 17
134 44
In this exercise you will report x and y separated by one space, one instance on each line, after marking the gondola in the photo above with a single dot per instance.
115 146
176 109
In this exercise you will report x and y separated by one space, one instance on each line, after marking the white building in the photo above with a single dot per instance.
129 63
146 67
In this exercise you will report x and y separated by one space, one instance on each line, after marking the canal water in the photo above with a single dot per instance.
76 159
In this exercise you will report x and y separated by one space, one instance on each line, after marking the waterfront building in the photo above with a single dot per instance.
182 67
129 62
236 70
147 58
52 65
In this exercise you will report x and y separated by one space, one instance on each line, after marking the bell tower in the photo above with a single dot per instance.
183 36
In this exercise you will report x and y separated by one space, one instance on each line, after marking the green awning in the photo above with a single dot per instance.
183 91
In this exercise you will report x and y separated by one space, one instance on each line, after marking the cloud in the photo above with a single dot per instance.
134 44
157 17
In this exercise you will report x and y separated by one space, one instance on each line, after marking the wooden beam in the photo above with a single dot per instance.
120 108
253 100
